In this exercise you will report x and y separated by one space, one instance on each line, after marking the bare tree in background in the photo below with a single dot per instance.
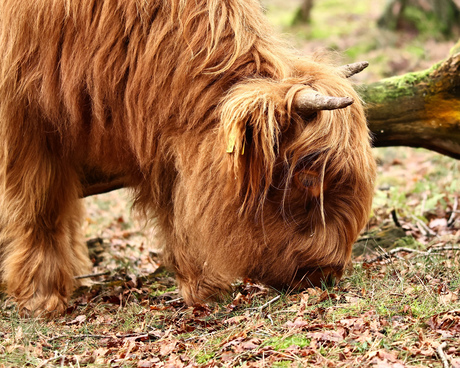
443 15
303 15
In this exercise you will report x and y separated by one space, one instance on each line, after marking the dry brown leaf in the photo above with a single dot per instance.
437 223
167 347
174 362
227 356
99 355
385 364
18 335
15 348
78 320
235 320
326 295
447 297
298 323
147 363
251 344
427 352
352 299
390 356
327 336
448 321
313 291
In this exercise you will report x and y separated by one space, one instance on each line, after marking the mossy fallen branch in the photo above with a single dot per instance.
419 109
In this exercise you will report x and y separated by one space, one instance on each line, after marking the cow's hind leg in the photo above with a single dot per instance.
41 242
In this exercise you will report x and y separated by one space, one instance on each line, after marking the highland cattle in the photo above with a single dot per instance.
253 161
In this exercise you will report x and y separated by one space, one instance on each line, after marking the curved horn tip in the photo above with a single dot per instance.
310 102
339 102
354 68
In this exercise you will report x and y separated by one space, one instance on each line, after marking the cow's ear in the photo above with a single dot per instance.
250 118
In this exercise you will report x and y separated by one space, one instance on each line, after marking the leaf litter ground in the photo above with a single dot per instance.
397 307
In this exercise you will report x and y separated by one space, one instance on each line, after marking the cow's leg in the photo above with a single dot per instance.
41 242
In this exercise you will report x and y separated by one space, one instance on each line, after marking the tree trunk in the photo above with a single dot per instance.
426 16
303 14
419 109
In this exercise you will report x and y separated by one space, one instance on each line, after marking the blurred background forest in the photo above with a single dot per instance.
395 36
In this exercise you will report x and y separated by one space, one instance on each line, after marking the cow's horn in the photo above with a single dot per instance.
307 102
352 69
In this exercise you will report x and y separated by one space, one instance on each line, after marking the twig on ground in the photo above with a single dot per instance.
173 300
92 275
83 336
201 336
139 334
268 303
442 355
393 252
422 207
451 220
47 361
261 308
285 311
424 229
90 336
440 249
388 254
394 216
394 255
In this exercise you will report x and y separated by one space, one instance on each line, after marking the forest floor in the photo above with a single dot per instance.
398 306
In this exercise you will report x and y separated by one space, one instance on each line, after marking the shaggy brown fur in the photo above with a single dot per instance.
152 92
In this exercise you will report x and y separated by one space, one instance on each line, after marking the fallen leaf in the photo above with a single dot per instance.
390 356
447 297
147 363
328 336
385 364
235 320
18 335
78 320
438 222
314 291
232 342
427 352
174 362
298 323
251 344
352 299
447 323
326 295
201 310
99 355
407 308
168 347
227 356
